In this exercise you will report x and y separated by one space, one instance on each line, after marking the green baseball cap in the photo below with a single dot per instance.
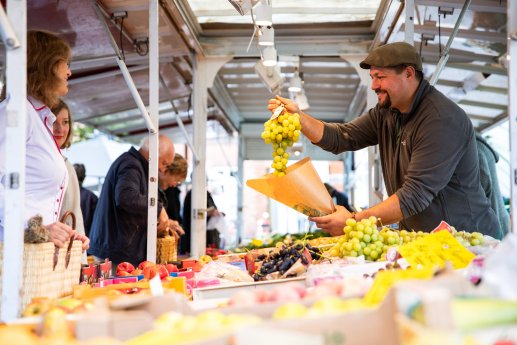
391 55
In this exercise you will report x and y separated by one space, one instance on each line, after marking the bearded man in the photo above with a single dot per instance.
427 147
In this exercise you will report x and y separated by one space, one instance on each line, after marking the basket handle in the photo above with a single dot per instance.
70 243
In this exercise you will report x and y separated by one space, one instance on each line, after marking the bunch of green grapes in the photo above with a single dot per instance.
398 237
281 132
468 239
364 238
361 238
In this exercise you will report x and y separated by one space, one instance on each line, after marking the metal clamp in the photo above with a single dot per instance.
199 213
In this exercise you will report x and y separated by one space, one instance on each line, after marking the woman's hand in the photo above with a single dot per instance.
59 233
288 104
85 240
333 223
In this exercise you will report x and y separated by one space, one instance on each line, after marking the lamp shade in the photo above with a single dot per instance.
263 14
269 56
295 84
302 101
267 38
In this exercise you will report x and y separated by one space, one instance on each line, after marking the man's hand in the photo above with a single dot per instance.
163 220
59 233
333 223
288 104
176 227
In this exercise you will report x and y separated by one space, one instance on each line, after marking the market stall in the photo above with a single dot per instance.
372 283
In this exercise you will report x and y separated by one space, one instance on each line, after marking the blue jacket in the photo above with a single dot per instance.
119 227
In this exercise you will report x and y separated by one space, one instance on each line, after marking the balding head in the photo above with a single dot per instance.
165 151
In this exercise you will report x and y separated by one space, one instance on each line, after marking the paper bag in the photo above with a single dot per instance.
301 189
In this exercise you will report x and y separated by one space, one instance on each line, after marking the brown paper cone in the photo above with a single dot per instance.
301 189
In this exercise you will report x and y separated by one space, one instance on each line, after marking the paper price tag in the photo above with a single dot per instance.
155 284
435 250
384 280
442 226
277 112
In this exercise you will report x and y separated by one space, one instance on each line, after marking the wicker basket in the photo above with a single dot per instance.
39 279
166 250
48 271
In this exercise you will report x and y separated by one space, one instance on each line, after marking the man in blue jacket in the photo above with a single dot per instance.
119 227
427 147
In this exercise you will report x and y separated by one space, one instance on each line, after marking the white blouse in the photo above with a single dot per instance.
46 176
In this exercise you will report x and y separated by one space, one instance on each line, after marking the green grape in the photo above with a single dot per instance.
281 132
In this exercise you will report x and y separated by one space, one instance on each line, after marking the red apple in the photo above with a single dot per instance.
125 266
171 268
122 274
150 271
145 264
167 279
137 272
162 271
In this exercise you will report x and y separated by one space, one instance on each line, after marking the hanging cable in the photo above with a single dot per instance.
121 39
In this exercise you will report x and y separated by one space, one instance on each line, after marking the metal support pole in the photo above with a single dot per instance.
512 106
123 68
199 197
8 36
14 144
240 187
445 54
136 96
180 121
375 194
409 29
154 87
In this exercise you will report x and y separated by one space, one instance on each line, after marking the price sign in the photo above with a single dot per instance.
435 250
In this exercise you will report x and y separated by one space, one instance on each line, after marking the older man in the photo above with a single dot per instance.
427 147
119 227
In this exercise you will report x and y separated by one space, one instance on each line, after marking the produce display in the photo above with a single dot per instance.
324 306
339 276
146 268
364 238
285 239
281 132
285 262
175 328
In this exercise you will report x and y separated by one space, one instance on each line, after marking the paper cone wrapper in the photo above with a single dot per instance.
301 189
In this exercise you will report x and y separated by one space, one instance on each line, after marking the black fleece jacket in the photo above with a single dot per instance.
432 166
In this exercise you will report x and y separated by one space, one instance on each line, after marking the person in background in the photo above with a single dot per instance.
339 198
488 158
88 198
175 174
63 133
427 147
119 226
212 235
169 193
46 175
